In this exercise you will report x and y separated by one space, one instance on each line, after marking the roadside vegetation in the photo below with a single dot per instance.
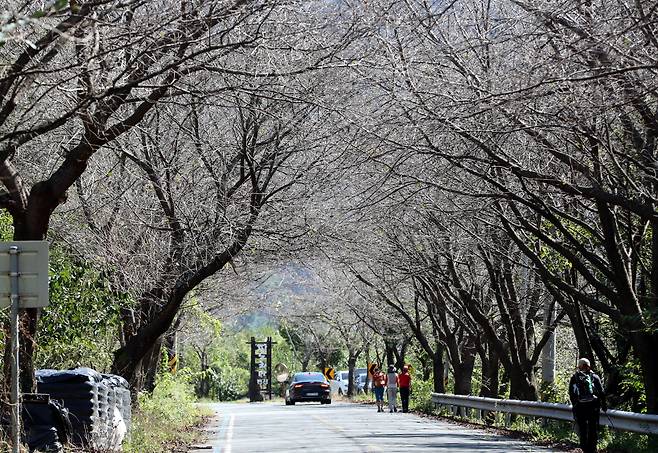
167 418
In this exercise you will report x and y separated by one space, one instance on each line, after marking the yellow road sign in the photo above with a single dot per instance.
329 373
371 369
173 364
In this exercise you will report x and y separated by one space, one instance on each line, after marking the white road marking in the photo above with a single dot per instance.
229 435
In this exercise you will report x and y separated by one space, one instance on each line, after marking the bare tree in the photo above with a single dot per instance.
82 78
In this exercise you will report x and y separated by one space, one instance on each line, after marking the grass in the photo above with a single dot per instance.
166 419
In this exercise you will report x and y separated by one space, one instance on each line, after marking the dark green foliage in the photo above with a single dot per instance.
226 383
80 325
421 396
632 386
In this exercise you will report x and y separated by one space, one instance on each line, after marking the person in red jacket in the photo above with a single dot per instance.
404 381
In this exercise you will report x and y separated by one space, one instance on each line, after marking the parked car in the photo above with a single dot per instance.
339 384
360 382
308 386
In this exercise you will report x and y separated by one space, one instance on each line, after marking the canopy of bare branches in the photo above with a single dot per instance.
473 176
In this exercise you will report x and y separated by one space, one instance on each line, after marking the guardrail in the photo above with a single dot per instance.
620 420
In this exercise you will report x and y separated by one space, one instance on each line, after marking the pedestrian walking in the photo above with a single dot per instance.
404 382
392 388
587 399
378 386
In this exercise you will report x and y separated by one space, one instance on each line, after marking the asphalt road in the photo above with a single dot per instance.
341 427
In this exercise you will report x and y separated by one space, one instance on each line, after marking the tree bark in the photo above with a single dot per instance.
463 372
437 370
523 385
351 364
390 353
150 365
128 359
646 345
490 369
203 388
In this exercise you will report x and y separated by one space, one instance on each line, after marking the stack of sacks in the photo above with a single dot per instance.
118 409
98 405
46 425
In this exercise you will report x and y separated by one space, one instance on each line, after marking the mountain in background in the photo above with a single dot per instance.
292 283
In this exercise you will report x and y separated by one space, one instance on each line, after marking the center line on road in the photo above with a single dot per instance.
337 429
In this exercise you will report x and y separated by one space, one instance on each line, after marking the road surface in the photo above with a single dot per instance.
341 427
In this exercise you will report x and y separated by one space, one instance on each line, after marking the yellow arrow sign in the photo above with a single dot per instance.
371 369
329 373
173 364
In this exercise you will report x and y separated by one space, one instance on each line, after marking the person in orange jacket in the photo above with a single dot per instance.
378 385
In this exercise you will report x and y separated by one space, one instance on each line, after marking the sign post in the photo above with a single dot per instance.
261 369
23 284
15 365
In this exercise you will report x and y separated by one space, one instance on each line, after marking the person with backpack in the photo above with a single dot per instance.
587 399
392 388
404 381
378 385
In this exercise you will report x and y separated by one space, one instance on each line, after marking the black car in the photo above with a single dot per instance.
308 386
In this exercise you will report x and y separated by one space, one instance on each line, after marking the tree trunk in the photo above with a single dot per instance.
490 381
463 372
128 358
504 383
351 364
523 385
548 352
401 355
170 343
150 365
437 370
646 345
582 338
426 364
203 389
490 370
367 354
390 353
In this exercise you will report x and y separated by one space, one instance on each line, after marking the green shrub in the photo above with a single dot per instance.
421 396
166 417
230 384
221 383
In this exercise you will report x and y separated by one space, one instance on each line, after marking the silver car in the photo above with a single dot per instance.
339 383
360 382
